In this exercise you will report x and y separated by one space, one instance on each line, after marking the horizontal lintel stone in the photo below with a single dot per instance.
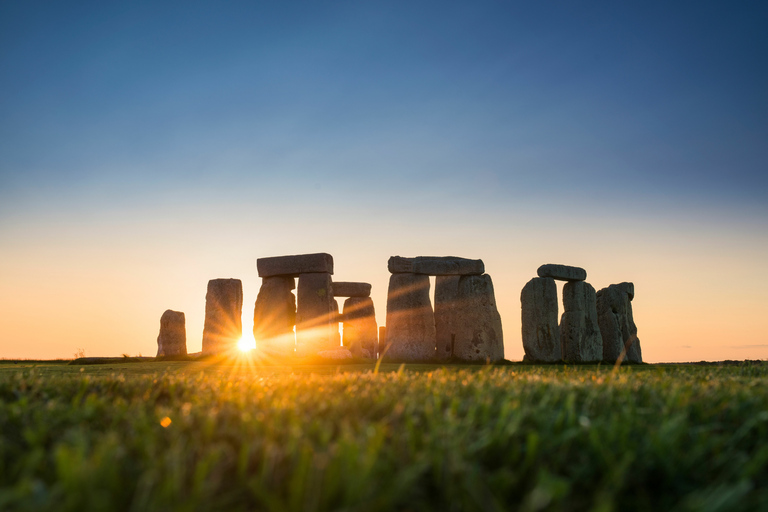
562 272
295 265
436 266
351 289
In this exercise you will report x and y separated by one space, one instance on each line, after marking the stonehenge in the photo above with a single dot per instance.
595 326
617 326
465 324
223 310
274 315
172 340
358 318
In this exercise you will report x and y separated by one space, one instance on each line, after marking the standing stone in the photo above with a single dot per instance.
617 325
382 341
274 316
541 334
223 311
562 272
446 296
477 321
410 320
172 340
316 315
579 331
360 330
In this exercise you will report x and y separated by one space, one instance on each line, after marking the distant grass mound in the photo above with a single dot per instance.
184 435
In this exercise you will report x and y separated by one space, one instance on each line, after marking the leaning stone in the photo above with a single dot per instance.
541 333
562 272
338 354
477 322
446 297
316 315
274 316
410 320
172 340
350 289
360 330
580 336
617 325
435 266
295 265
223 310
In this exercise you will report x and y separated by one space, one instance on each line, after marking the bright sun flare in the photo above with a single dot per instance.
246 343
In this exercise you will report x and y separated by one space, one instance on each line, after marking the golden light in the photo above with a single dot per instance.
246 343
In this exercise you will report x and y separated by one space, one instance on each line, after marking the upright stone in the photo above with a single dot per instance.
172 340
617 325
541 334
382 341
274 316
223 310
410 319
477 321
360 330
446 297
579 331
316 315
562 272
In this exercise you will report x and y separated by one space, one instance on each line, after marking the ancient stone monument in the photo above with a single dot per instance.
580 336
465 324
359 318
274 316
223 309
541 332
172 340
617 326
316 313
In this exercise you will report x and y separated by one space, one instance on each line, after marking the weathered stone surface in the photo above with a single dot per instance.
410 320
382 341
446 298
274 316
294 265
580 336
351 289
316 315
436 266
478 324
617 325
172 340
360 330
338 354
223 309
562 272
541 333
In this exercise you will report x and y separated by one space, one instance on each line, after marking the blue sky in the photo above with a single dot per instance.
173 142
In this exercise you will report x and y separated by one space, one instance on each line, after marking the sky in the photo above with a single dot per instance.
147 147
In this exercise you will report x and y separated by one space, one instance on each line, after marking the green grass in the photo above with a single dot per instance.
344 438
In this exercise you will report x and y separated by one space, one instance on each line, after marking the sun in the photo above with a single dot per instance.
246 343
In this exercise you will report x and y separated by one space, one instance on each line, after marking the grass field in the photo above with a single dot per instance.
216 436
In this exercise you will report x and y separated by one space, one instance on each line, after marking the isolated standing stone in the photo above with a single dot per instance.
541 333
351 289
360 330
293 266
274 315
172 340
477 321
617 325
223 310
562 272
410 320
580 336
316 315
435 266
446 297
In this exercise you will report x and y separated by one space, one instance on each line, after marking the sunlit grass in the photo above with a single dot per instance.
233 435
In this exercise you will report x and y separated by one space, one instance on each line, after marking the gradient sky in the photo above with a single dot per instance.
148 147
